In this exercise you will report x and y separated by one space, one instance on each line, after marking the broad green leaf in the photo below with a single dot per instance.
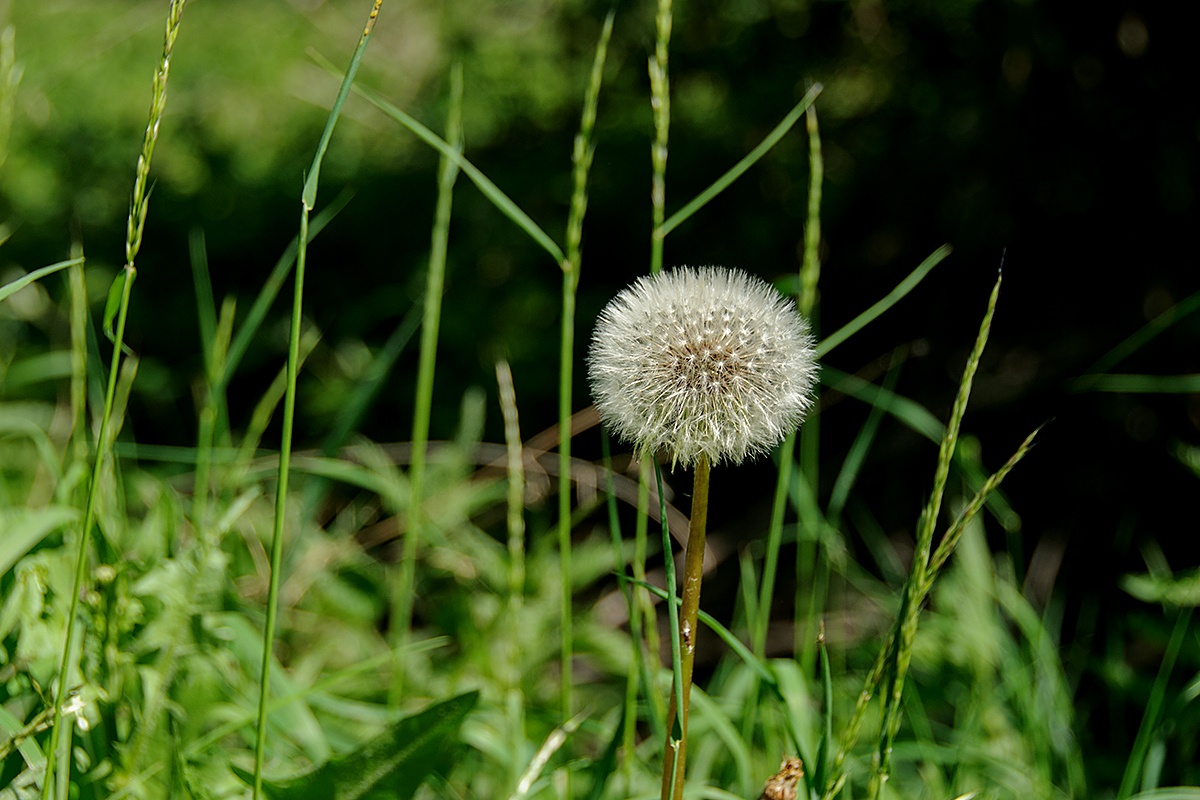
399 759
113 304
22 528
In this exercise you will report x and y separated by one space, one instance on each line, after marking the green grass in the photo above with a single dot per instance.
234 618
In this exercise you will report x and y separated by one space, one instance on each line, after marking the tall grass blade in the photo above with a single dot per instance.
581 162
1140 338
492 192
308 201
675 734
402 602
59 743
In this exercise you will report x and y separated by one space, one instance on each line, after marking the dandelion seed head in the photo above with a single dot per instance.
708 361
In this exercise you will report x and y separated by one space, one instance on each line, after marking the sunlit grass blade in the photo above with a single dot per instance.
23 281
402 601
485 185
308 201
541 758
894 296
749 160
59 743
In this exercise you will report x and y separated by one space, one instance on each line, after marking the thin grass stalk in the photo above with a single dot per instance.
214 354
810 270
689 610
79 358
57 741
581 161
516 558
674 726
660 105
649 620
762 606
811 565
133 243
911 606
402 602
285 456
307 203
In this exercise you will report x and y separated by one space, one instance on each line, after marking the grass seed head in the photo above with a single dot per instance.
708 361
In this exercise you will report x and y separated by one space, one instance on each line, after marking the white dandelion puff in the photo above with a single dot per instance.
702 362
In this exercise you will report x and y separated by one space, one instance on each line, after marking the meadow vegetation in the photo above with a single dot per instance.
455 617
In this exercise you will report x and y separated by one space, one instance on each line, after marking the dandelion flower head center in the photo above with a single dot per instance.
703 361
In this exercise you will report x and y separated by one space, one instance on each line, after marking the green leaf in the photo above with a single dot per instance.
400 758
1182 590
23 281
23 528
113 304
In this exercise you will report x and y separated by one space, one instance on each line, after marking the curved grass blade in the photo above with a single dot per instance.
23 281
735 172
865 318
489 189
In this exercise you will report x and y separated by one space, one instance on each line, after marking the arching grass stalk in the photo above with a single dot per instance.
405 587
581 160
118 307
307 203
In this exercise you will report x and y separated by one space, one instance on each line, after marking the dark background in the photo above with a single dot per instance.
1059 138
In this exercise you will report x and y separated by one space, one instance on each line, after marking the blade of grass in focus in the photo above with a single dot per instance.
59 748
308 202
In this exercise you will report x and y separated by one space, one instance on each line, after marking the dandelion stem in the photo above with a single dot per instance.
689 612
